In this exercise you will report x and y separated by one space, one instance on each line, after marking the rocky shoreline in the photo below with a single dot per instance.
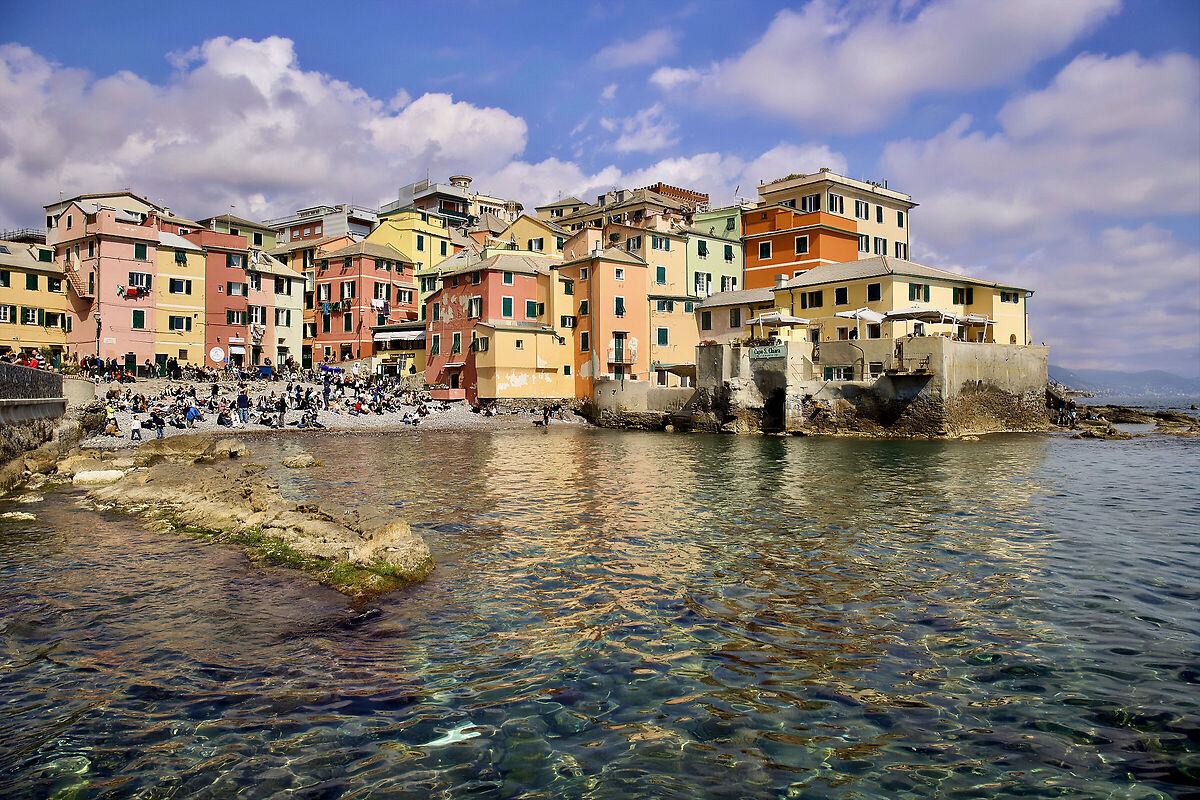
204 486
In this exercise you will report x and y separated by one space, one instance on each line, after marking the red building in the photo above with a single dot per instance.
226 291
359 287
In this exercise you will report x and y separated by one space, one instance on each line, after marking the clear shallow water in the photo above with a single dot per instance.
636 615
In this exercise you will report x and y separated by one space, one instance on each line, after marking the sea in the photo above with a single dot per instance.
633 615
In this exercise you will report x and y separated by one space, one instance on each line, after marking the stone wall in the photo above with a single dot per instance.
635 404
23 383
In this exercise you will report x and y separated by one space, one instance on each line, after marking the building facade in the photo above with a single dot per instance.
179 300
33 300
358 288
781 241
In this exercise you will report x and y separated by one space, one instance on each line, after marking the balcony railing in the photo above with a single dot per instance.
622 355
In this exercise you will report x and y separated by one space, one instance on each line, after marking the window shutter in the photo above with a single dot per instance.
130 279
829 373
229 259
820 300
41 316
148 279
187 323
970 295
927 293
68 323
804 300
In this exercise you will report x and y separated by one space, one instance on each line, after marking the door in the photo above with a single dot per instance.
619 348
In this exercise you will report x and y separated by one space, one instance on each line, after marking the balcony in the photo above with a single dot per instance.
623 355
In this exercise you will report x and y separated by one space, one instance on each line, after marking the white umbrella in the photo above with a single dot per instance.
919 314
775 317
859 314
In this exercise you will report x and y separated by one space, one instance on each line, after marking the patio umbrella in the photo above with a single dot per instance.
859 314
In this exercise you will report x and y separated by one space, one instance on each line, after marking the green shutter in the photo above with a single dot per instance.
820 300
507 307
662 336
42 317
139 251
46 255
661 274
829 373
187 323
139 319
970 295
927 293
68 323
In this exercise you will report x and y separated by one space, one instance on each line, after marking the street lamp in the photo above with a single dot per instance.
96 316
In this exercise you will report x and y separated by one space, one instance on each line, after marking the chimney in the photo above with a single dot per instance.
780 280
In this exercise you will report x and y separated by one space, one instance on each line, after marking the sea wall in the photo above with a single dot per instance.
635 404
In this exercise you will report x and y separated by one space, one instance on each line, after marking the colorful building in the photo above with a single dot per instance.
904 298
33 300
179 300
501 329
723 317
110 260
638 207
424 237
714 251
274 305
534 236
226 297
360 287
880 215
258 235
779 240
126 203
553 212
318 222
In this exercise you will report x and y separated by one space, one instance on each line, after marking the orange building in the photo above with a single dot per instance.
780 240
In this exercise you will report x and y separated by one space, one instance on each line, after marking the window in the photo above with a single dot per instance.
31 282
233 260
420 242
347 322
475 308
839 373
506 307
660 243
179 323
323 292
874 330
479 344
837 204
812 299
140 280
728 283
583 341
91 251
880 246
583 273
764 251
703 284
864 243
879 214
810 203
348 262
443 243
531 309
841 296
660 275
139 320
254 279
456 343
566 369
901 250
436 346
899 219
706 320
874 292
382 291
519 344
619 306
843 333
619 273
139 251
633 243
258 314
801 245
437 311
1010 297
5 278
347 290
729 252
862 209
283 316
583 308
568 287
31 315
404 295
325 323
566 321
664 306
918 291
54 284
507 279
702 248
283 286
535 245
735 318
689 307
179 286
662 336
964 296
558 245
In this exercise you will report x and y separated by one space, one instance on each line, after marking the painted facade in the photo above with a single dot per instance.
258 235
779 240
714 252
33 300
179 300
226 297
534 236
724 316
423 237
360 287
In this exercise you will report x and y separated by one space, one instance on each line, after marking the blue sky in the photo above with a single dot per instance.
1052 145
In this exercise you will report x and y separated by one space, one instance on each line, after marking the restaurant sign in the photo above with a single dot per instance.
775 351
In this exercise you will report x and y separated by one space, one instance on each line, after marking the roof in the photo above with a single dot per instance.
372 249
609 254
468 255
508 262
269 265
304 244
743 297
119 214
724 234
245 223
518 325
634 198
878 267
25 256
93 195
566 201
491 223
177 242
189 223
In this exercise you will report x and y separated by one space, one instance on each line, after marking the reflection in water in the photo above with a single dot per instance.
632 615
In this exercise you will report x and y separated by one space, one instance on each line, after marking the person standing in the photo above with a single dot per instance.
135 429
243 405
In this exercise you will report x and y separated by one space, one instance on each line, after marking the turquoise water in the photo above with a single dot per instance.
635 615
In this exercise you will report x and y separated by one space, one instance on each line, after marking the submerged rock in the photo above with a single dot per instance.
301 461
18 515
97 476
361 554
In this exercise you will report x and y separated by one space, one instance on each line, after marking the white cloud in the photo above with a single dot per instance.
1074 196
826 65
650 48
646 131
609 92
238 118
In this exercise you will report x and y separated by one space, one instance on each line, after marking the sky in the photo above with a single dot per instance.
1052 146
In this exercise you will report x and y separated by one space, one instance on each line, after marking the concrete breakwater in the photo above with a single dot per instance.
204 486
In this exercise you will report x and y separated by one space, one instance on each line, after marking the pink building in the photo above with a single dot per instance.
110 260
358 287
226 297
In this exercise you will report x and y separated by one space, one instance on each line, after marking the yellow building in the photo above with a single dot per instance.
179 301
901 298
424 237
33 299
534 236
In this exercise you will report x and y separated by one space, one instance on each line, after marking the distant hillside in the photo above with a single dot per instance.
1105 382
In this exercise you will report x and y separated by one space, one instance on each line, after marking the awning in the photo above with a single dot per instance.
400 336
455 365
234 350
777 318
862 314
683 370
978 319
918 314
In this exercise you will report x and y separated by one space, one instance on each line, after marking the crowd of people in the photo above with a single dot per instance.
236 405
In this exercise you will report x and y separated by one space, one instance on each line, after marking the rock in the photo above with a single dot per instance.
18 515
94 477
42 460
669 428
31 497
79 463
301 461
36 481
227 448
189 448
395 543
1102 433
